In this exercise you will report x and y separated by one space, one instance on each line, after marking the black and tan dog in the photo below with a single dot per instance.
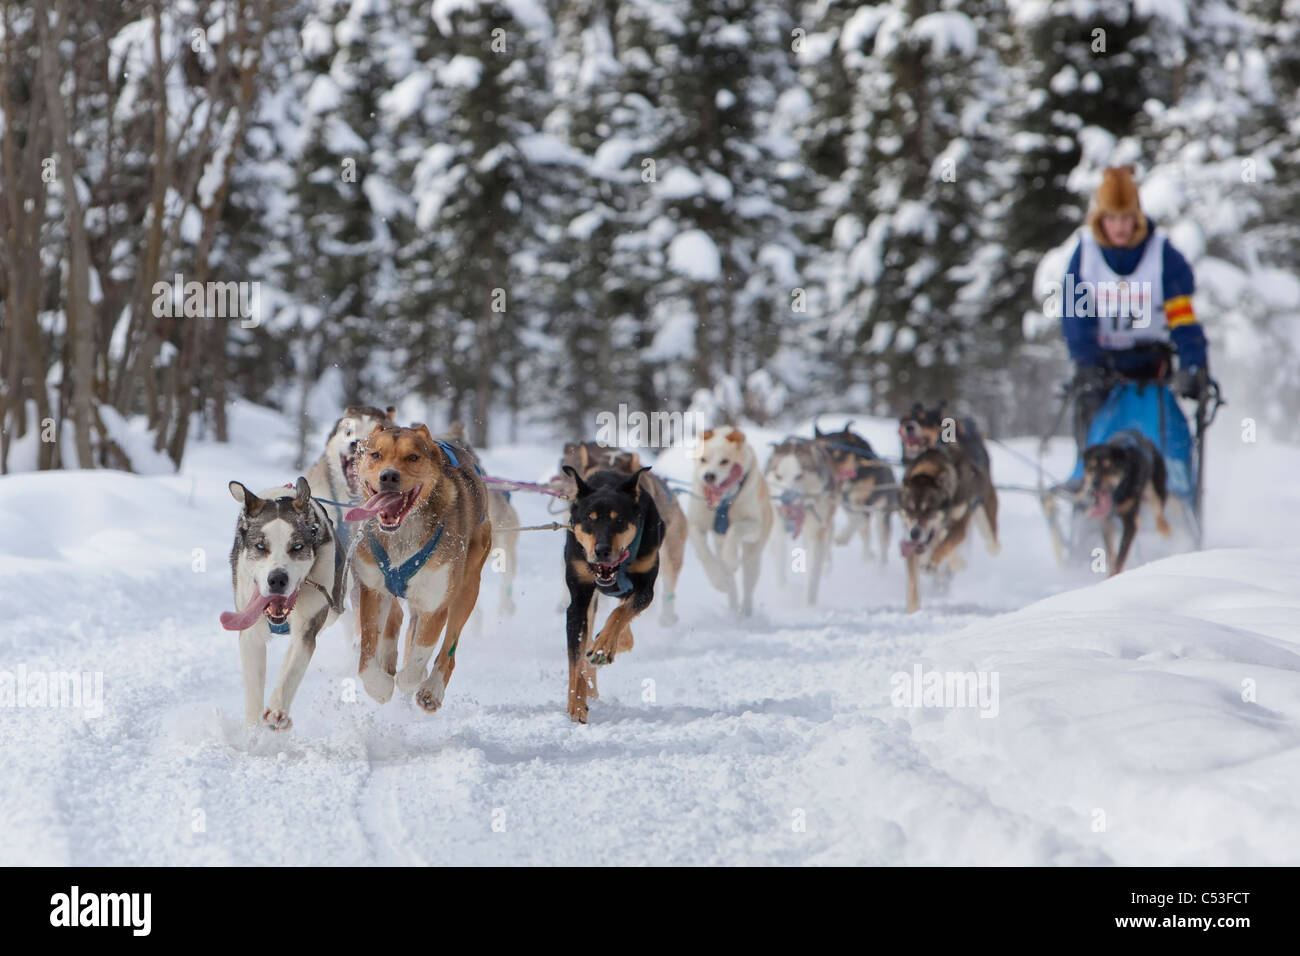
588 457
427 536
612 547
923 428
1118 477
942 490
866 485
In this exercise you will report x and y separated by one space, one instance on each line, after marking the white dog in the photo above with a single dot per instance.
285 579
730 507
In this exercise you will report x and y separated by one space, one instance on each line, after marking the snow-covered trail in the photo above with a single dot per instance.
772 740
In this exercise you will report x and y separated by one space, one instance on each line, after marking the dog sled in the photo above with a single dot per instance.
1150 408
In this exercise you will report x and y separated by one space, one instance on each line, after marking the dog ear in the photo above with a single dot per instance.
706 434
633 484
736 436
456 430
817 432
390 413
634 461
584 457
847 425
584 489
422 430
301 495
252 504
946 479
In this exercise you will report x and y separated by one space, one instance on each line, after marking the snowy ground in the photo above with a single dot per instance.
1154 718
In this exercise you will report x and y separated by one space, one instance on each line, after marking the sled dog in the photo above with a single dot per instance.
867 487
588 457
612 547
427 536
285 579
731 509
1119 477
923 428
942 490
333 478
801 479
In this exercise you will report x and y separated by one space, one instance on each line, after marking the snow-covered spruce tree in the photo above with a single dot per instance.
902 285
595 271
708 216
466 118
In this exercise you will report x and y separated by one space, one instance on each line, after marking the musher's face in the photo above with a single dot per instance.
1119 228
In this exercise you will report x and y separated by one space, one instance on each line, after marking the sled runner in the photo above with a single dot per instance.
1151 409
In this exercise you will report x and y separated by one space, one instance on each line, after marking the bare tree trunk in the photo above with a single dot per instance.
82 326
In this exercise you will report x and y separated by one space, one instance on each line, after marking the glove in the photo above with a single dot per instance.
1190 382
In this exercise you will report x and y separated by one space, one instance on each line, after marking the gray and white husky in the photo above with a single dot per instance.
285 578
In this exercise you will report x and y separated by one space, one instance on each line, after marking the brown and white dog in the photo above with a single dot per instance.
588 457
427 539
730 507
801 479
942 490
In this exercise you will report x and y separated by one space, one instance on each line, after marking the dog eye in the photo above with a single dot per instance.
724 461
412 457
261 546
374 455
296 547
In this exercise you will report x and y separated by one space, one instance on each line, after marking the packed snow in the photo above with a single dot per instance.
1153 718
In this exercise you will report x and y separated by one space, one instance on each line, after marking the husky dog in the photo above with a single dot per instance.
801 480
730 505
333 477
1118 478
866 485
427 536
613 543
588 457
942 490
285 579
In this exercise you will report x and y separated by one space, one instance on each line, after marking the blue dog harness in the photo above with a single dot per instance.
397 578
278 628
722 515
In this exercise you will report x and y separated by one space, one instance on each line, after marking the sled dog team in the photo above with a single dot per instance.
393 514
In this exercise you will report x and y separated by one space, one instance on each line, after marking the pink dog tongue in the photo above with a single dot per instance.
242 620
907 548
1102 506
380 502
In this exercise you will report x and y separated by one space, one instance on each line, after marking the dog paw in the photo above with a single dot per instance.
429 696
378 684
578 711
276 720
601 653
409 678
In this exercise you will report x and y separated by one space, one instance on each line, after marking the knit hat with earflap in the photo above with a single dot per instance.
1117 194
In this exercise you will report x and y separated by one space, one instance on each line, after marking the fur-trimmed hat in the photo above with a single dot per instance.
1117 194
